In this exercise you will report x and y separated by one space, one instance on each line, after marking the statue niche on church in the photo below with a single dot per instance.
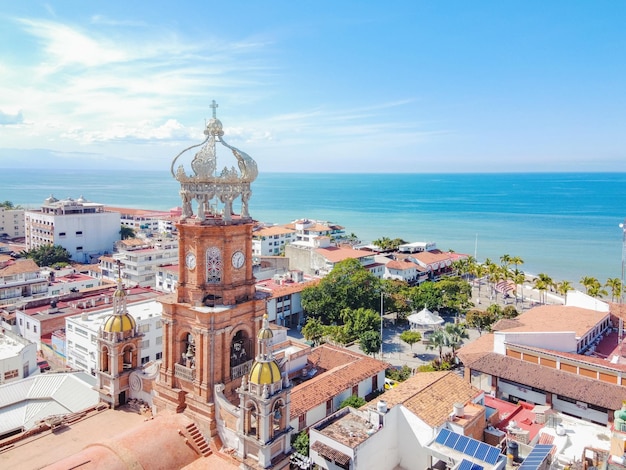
240 349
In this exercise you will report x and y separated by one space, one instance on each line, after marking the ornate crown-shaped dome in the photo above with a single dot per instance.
264 373
215 187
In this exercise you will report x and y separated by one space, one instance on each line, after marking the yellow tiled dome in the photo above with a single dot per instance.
119 323
264 373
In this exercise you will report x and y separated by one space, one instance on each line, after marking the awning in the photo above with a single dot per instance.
331 454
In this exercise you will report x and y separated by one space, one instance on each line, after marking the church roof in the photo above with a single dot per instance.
264 373
119 323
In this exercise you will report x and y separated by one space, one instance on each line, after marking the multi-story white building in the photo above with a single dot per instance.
18 357
321 258
308 230
81 333
11 223
271 241
20 280
139 259
83 228
167 278
146 221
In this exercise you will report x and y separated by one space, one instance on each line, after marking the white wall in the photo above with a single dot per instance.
18 354
522 392
564 341
579 410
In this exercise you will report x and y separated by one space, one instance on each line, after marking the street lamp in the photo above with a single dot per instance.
382 294
623 227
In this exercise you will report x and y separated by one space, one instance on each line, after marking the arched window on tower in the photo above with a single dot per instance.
104 360
128 357
251 425
188 355
278 418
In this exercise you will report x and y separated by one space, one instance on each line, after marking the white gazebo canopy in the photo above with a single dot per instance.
424 319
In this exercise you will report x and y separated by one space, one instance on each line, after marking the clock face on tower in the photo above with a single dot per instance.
238 259
190 260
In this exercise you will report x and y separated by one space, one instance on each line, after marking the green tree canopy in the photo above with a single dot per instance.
313 330
426 295
126 232
354 401
411 337
348 285
370 342
509 312
301 443
47 255
358 321
480 319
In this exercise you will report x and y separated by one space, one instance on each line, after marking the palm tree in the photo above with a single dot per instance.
588 282
505 260
438 340
548 284
456 333
597 291
480 271
615 284
516 260
519 278
563 288
541 286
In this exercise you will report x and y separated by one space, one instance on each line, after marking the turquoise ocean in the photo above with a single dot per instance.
563 224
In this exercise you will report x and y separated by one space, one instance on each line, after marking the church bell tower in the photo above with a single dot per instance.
211 323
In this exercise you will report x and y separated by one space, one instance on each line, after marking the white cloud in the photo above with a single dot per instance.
9 118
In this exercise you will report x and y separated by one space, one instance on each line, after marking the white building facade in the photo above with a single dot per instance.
140 264
85 229
18 357
81 332
11 223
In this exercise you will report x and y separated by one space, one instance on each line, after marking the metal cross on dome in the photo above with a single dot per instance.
214 106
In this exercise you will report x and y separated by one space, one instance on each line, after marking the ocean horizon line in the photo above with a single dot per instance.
387 173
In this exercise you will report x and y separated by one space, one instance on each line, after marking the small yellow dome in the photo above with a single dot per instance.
119 323
264 373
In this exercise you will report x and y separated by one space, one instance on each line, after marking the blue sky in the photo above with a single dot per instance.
350 86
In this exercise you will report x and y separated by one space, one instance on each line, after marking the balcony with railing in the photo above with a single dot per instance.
240 370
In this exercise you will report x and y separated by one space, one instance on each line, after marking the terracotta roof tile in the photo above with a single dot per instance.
401 265
340 369
335 254
273 230
431 395
552 380
20 266
558 318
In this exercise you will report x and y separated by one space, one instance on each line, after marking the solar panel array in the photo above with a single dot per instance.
467 465
536 457
468 446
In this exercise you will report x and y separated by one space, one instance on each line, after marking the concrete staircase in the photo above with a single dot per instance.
197 440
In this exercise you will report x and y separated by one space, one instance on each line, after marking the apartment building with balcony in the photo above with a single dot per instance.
20 280
11 223
85 229
306 230
271 240
147 221
138 260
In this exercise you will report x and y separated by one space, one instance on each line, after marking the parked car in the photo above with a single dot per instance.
43 366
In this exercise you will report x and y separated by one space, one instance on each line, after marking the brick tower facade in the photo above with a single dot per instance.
211 323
